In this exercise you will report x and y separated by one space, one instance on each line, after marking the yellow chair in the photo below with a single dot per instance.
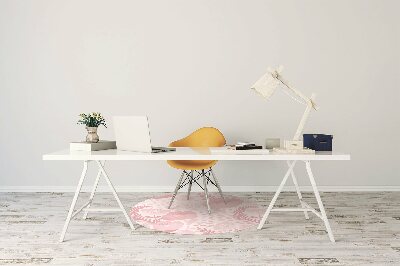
194 170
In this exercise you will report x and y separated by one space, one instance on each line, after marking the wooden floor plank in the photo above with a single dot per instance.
366 226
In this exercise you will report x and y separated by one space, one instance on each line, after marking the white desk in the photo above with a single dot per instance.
100 157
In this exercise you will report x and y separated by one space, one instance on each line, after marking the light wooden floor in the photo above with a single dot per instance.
366 227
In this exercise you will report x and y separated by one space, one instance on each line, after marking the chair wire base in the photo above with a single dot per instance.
188 178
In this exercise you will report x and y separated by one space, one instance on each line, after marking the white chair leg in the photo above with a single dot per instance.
96 182
278 191
206 190
190 184
217 184
115 195
320 205
71 209
298 191
176 189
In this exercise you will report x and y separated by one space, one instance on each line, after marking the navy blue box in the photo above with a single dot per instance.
318 142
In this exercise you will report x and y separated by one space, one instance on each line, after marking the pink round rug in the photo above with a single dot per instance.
191 216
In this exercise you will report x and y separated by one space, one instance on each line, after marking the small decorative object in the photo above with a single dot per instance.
293 144
92 121
318 142
271 143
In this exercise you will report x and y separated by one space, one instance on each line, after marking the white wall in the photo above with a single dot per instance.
188 64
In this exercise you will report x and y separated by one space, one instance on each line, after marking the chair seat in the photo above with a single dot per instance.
203 137
191 164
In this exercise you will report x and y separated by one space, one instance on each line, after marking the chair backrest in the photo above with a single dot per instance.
203 137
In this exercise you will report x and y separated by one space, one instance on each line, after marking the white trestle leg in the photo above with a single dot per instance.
86 207
320 205
71 209
305 207
96 182
298 191
278 191
128 219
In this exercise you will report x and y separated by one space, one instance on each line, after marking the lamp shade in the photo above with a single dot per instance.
267 84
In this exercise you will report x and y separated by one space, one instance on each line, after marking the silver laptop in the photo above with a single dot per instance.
132 133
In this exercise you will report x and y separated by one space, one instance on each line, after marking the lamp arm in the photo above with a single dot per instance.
309 102
297 92
310 105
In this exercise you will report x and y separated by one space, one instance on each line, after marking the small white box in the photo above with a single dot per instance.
271 143
293 144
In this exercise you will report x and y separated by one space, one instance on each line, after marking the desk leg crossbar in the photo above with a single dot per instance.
305 207
87 206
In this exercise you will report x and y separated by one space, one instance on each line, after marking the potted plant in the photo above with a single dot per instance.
92 121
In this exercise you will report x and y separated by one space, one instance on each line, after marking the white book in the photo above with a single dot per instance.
293 151
225 150
244 143
86 146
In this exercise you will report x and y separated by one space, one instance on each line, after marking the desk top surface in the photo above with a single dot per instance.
190 154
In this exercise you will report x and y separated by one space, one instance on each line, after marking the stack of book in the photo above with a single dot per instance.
232 150
98 146
247 146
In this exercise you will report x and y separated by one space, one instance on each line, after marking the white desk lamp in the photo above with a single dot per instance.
266 86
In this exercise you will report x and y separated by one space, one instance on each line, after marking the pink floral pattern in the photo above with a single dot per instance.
191 216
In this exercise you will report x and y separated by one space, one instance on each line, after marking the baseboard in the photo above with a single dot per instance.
171 188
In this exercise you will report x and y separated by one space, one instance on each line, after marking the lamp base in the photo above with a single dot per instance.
293 151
